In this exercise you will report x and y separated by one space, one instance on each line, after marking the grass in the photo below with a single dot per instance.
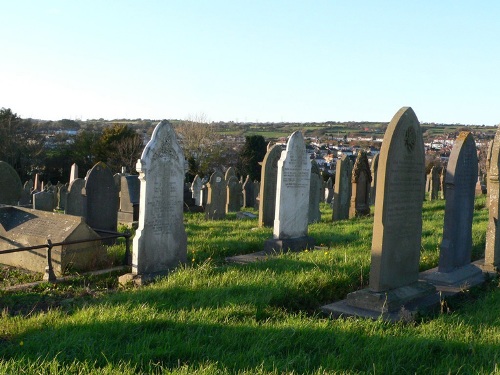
209 317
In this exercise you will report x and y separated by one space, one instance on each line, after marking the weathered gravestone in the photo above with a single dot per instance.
315 188
24 227
455 266
442 184
129 199
373 185
73 175
488 163
74 199
342 189
101 198
434 183
10 185
268 182
62 196
196 190
329 191
230 172
292 199
361 179
216 200
492 250
256 196
44 201
397 227
248 193
160 243
233 189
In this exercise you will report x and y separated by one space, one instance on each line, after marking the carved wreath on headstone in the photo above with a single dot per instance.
166 150
410 139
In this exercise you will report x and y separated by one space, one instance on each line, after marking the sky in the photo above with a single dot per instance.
253 60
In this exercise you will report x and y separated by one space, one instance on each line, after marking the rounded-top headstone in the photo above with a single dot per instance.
10 184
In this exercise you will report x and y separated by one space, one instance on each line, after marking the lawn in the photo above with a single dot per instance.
210 317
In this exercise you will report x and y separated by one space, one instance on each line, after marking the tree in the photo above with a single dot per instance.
251 155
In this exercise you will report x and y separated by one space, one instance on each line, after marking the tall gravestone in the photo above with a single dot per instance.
160 243
268 182
434 183
74 198
256 196
248 193
397 229
196 190
292 199
329 191
455 266
373 185
233 189
101 198
492 250
342 189
10 185
216 197
315 193
361 179
73 175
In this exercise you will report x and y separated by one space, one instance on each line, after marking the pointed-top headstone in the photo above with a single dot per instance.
73 175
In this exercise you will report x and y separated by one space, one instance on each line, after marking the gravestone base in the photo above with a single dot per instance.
139 279
487 268
393 305
276 245
464 277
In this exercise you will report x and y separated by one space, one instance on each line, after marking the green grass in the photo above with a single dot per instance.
209 317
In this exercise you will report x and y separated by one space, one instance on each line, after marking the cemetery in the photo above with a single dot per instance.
292 272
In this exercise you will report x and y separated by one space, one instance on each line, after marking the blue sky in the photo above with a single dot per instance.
251 60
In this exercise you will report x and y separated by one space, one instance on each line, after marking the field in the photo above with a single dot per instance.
209 317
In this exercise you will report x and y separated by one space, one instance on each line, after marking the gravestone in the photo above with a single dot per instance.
44 201
129 199
329 191
342 189
196 190
268 182
10 185
23 227
38 185
256 196
315 189
361 179
74 199
73 175
233 189
204 195
442 184
216 200
488 163
230 172
292 199
101 198
492 250
373 185
397 229
160 243
455 266
248 193
62 196
434 183
479 185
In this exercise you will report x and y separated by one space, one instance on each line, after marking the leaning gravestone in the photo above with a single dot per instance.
361 179
492 250
216 200
268 182
397 227
44 201
160 243
455 266
74 198
10 185
315 188
292 199
101 198
233 193
342 189
373 185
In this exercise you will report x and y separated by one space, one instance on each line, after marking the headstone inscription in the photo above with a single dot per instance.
342 189
268 182
10 185
292 199
455 266
315 188
160 242
361 179
216 200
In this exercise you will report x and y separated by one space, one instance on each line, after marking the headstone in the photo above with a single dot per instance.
315 189
233 189
455 266
397 229
492 250
248 193
479 186
24 227
292 199
216 201
37 185
230 172
488 163
256 196
361 179
73 175
62 196
160 243
101 198
74 199
373 185
129 199
204 195
268 182
195 189
442 184
44 201
342 189
329 191
10 185
434 183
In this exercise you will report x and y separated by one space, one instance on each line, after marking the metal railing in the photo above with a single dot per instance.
49 270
